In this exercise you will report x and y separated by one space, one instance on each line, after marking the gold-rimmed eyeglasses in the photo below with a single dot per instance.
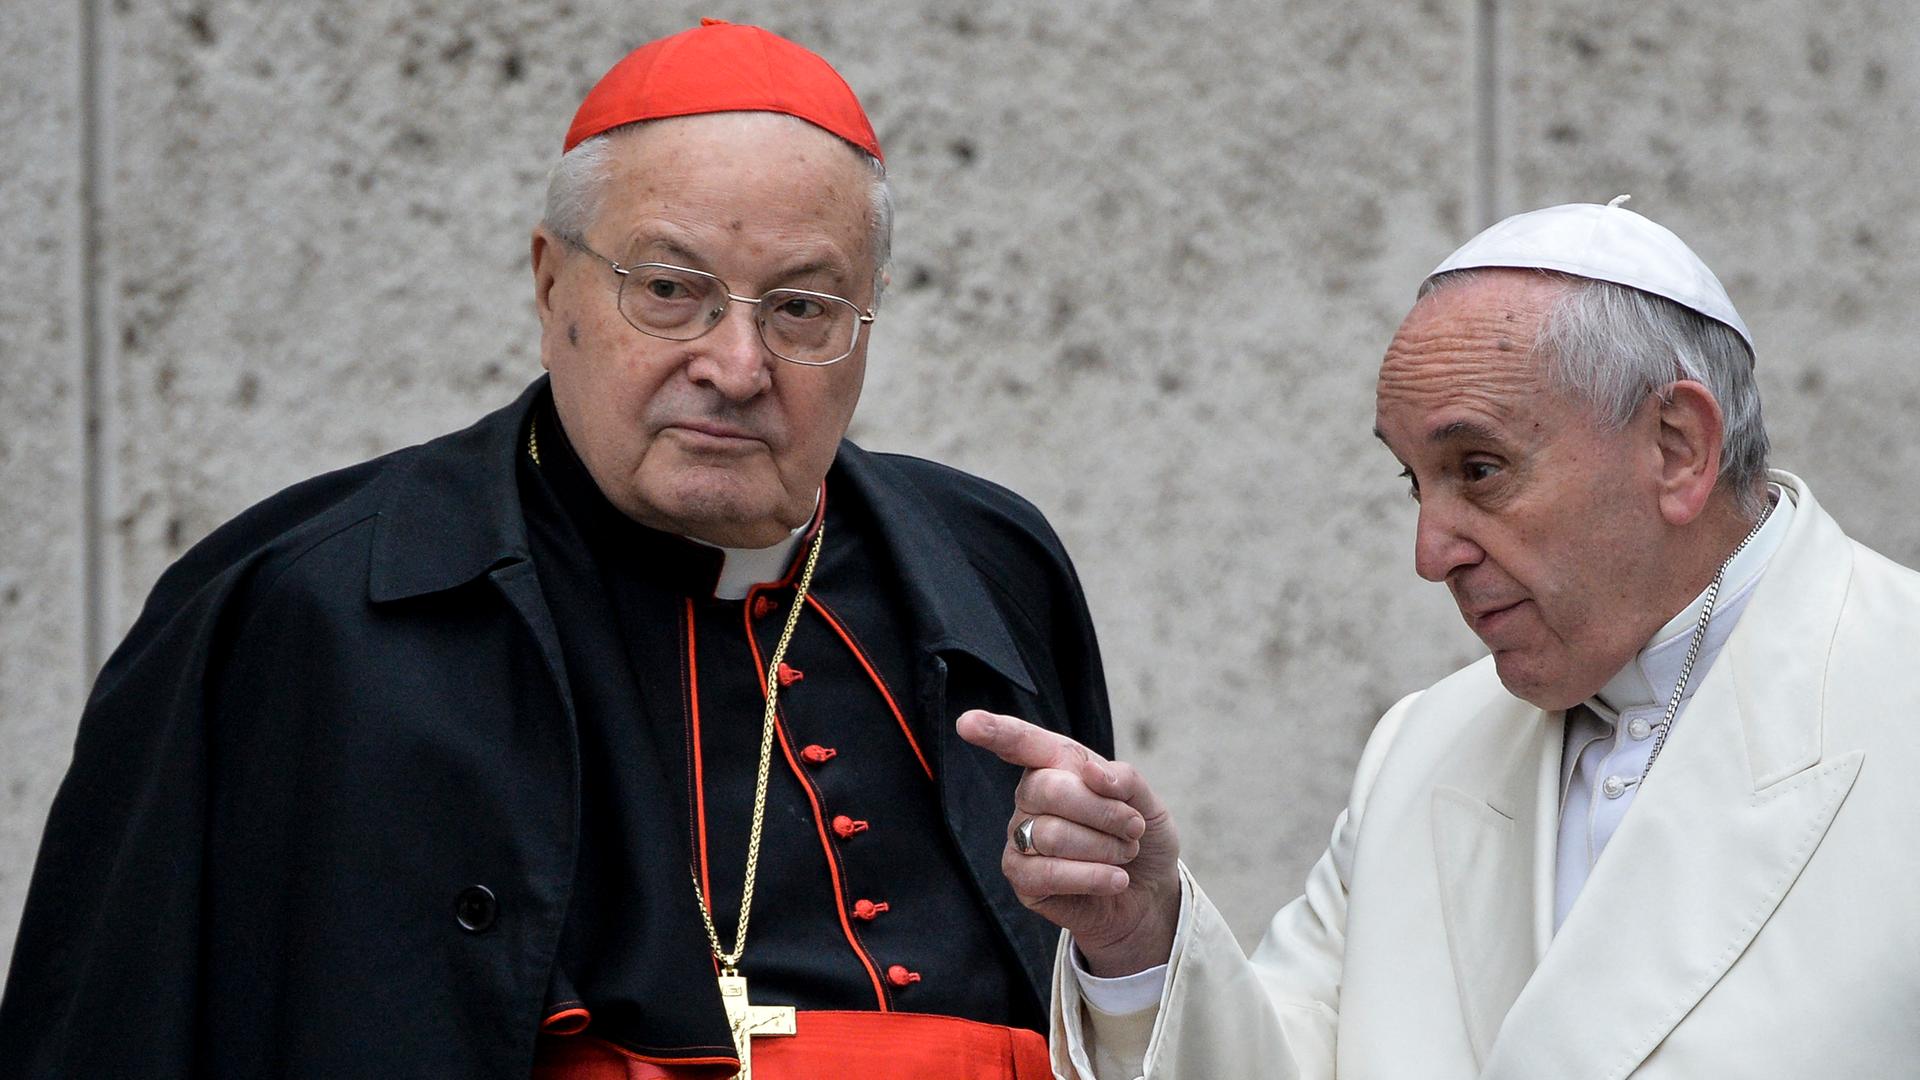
677 303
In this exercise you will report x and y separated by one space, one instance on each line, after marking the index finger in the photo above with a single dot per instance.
1017 742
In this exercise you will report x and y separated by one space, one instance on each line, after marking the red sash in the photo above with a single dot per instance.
867 1045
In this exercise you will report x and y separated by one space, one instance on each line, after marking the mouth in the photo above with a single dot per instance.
1488 619
713 433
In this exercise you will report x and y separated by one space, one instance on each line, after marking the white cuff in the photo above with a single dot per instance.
1122 995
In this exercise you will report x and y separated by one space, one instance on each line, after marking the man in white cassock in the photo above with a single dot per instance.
1667 829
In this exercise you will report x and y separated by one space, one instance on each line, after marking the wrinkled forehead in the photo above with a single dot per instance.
1465 352
756 144
767 175
756 128
1492 317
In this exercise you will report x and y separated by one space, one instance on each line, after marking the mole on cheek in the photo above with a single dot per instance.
573 334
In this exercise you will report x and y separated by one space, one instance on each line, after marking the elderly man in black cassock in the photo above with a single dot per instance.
608 737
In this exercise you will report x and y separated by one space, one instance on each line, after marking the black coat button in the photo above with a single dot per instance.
476 908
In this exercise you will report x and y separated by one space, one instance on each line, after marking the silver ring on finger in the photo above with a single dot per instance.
1023 838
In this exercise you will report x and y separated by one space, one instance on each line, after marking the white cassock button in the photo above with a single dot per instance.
1638 729
1613 787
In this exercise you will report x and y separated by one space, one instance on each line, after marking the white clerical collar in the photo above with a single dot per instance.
743 568
1649 678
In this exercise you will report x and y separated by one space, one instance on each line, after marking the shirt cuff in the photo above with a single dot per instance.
1125 994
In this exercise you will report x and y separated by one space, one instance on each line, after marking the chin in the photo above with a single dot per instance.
722 514
1535 687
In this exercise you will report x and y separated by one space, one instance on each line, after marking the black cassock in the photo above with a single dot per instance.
414 758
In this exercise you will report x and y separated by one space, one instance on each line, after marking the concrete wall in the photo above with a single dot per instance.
1146 260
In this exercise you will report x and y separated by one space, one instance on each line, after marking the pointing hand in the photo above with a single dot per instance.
1103 852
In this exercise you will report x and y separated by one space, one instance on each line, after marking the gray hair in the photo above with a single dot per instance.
576 187
1610 345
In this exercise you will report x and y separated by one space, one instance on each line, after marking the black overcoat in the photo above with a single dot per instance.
346 708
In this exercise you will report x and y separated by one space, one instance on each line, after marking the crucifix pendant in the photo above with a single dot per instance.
748 1020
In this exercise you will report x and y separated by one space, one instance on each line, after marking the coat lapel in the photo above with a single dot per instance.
1486 828
1736 805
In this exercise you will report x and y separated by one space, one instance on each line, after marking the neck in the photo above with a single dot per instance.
1696 554
1657 664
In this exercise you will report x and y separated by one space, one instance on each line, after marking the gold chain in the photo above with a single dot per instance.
533 439
729 961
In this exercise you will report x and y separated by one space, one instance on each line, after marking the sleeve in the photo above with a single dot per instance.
1223 1015
105 972
1120 994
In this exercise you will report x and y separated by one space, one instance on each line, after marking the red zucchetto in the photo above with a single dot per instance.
720 67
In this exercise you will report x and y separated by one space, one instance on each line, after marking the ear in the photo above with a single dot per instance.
1691 427
547 256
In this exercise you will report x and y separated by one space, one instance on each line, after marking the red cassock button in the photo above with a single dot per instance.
900 976
867 910
790 674
845 826
817 754
764 606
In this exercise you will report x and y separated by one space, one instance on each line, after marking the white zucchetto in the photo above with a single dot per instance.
1605 243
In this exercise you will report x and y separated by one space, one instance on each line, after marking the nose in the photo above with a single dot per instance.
732 358
1440 545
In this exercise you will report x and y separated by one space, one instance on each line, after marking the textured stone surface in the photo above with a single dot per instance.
1777 139
42 625
1145 265
322 242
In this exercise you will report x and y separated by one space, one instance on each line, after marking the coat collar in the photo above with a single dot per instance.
1740 800
450 514
948 604
450 509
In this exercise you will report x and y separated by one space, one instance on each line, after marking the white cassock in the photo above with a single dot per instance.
1756 915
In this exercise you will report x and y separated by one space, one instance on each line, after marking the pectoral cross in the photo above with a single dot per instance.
749 1020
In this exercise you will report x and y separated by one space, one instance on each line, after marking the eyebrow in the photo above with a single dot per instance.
671 247
835 274
1464 431
1457 431
694 261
